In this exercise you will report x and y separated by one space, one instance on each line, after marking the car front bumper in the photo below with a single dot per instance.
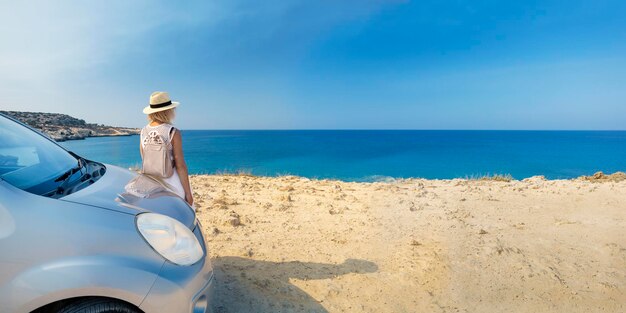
182 289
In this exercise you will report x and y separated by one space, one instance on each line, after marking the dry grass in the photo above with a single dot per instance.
601 177
239 172
492 177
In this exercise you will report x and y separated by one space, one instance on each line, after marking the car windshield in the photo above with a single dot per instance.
27 159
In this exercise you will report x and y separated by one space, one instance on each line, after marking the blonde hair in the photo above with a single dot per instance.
166 116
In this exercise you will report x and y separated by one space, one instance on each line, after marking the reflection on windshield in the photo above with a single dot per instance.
27 159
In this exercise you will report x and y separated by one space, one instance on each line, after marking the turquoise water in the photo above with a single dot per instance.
373 155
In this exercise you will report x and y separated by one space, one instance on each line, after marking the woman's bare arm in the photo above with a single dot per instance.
181 166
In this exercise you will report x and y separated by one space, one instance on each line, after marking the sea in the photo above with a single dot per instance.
381 155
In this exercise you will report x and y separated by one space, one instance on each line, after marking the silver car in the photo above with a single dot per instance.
78 236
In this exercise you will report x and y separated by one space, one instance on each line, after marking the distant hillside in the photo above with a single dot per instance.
61 127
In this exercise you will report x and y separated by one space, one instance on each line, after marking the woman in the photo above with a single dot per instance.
161 113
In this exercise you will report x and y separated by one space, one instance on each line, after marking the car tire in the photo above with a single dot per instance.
98 305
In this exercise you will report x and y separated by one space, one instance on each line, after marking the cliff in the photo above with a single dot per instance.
61 127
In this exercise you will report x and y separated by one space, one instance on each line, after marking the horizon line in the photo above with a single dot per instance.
401 129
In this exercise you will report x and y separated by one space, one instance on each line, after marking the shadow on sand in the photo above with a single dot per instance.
247 285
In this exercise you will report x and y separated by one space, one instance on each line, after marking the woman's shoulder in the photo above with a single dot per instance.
171 127
162 125
172 130
149 125
168 126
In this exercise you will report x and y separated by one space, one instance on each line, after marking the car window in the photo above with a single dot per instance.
27 158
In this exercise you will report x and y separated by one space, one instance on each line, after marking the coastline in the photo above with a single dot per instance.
415 244
69 138
62 127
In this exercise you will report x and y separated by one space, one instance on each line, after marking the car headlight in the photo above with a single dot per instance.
170 238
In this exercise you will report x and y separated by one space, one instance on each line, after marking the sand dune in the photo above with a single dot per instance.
291 244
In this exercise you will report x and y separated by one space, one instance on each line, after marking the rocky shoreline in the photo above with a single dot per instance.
62 127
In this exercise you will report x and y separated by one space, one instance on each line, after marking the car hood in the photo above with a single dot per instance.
132 193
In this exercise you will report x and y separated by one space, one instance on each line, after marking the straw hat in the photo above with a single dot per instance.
159 101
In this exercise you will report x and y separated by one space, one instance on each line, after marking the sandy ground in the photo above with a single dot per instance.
291 244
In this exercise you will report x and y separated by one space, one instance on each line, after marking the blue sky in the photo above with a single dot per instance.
321 64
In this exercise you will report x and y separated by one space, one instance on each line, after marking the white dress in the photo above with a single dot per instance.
167 131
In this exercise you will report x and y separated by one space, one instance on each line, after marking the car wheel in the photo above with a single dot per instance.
98 305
